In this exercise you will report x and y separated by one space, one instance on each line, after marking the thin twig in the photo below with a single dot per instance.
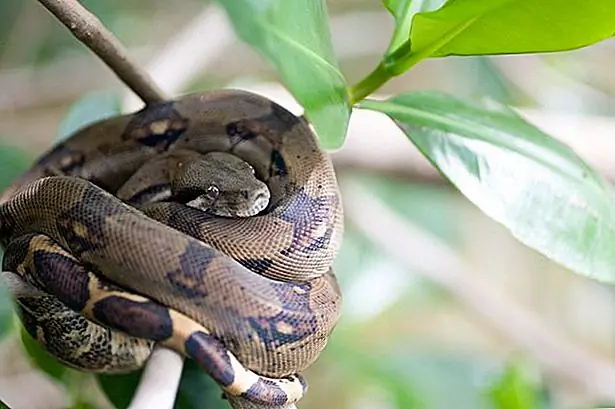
441 264
88 29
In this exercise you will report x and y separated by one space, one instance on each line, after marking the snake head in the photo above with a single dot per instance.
221 184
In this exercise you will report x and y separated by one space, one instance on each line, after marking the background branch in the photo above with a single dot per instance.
88 29
441 264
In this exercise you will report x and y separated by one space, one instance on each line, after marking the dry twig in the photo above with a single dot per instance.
88 29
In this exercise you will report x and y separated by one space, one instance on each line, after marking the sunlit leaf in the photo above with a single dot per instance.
531 183
404 11
294 37
470 27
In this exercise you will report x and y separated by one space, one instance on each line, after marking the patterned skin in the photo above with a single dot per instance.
110 224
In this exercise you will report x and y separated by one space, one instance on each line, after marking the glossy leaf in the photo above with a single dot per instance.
470 27
531 183
404 11
294 37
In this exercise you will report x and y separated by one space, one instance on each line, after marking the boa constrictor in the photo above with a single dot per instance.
252 300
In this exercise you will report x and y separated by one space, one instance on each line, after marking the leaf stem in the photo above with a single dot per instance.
369 84
402 60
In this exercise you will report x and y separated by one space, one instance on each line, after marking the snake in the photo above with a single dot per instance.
127 235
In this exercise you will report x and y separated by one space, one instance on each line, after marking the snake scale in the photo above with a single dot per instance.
252 300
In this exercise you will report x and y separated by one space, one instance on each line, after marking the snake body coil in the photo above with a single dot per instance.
252 300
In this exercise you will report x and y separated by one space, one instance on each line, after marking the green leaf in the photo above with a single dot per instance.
3 405
91 108
6 311
294 36
120 389
531 183
404 11
470 27
514 390
197 390
13 162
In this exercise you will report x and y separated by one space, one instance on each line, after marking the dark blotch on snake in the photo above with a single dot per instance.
62 160
145 195
16 252
62 276
94 237
277 165
320 242
269 328
140 319
295 297
257 265
188 278
280 115
239 132
303 212
210 354
265 390
173 125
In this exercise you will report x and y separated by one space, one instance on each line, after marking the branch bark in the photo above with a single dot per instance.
88 29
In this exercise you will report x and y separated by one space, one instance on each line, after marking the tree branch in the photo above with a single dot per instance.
159 381
88 29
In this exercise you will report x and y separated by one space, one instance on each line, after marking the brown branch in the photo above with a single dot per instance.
88 29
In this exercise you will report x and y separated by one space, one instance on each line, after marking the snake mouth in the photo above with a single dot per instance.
197 198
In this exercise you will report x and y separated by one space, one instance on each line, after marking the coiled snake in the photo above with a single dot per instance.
94 225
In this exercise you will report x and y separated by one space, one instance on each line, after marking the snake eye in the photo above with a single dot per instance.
212 192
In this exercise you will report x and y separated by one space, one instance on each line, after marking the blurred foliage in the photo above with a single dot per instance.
6 312
91 108
515 390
